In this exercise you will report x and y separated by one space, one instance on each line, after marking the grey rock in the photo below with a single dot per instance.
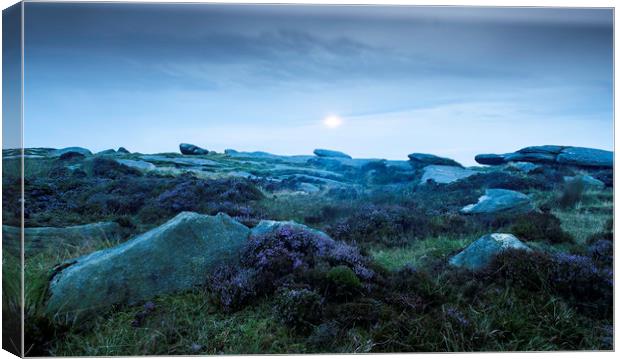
173 257
58 239
500 201
550 149
537 157
140 165
189 149
62 151
588 181
586 157
123 150
420 160
180 160
480 253
490 159
106 152
266 227
320 152
444 174
308 187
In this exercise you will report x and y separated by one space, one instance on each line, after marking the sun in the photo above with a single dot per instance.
332 121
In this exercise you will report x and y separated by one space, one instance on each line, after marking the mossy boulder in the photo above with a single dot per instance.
480 253
173 257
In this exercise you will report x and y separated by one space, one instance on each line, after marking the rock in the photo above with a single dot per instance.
58 239
265 227
490 159
173 257
189 149
230 151
444 174
68 156
180 160
550 149
106 152
330 153
420 160
308 187
500 201
123 150
480 253
140 165
586 157
525 167
62 151
541 157
588 181
563 155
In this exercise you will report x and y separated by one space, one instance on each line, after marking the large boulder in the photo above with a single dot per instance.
490 159
189 149
444 174
58 239
67 150
586 157
330 153
500 201
420 160
552 154
480 253
173 257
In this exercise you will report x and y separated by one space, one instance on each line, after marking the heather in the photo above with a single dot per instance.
341 257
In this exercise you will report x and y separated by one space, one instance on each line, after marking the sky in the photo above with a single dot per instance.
452 81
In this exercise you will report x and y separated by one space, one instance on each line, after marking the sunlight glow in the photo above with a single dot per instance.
332 121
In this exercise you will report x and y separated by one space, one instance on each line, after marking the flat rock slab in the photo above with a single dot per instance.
588 181
173 257
63 151
320 152
41 239
420 160
137 164
180 160
586 157
480 253
500 201
445 174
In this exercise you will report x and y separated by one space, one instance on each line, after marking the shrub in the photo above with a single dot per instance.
571 194
300 309
232 287
539 227
105 167
602 252
343 282
574 277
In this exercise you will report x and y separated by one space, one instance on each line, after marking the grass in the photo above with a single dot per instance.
420 252
182 324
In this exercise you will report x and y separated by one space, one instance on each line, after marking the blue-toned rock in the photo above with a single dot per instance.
444 174
420 160
173 257
500 201
480 253
586 157
330 153
189 149
490 159
78 150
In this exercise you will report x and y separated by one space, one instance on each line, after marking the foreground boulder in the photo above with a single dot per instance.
480 253
500 201
551 154
444 174
420 160
189 149
330 153
173 257
41 239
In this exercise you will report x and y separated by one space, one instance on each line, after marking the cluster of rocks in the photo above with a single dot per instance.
552 154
